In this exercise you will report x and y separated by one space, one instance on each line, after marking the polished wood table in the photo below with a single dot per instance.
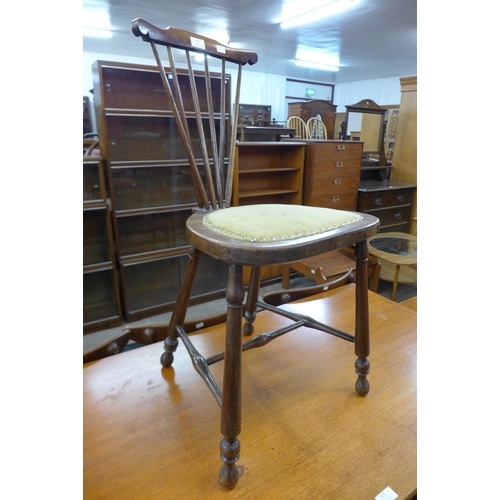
151 432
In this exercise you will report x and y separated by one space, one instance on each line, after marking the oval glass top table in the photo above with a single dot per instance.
395 249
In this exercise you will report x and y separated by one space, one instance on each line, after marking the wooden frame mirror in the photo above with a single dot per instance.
364 121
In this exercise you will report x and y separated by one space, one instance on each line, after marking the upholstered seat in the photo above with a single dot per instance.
252 235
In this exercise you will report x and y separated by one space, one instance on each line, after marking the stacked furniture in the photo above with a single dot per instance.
101 302
151 187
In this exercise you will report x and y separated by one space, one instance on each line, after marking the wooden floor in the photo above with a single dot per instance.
152 433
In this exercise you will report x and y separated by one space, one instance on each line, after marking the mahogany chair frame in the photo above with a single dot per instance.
214 196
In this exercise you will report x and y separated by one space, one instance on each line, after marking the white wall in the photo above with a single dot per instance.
270 89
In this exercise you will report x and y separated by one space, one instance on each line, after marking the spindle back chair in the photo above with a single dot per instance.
252 235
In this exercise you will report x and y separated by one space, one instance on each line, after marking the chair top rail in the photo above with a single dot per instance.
187 40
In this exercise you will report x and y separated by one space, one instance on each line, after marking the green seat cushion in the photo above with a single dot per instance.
268 223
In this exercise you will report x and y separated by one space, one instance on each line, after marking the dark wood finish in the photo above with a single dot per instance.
310 109
248 133
389 201
257 115
280 297
101 298
332 174
213 187
151 187
87 118
305 435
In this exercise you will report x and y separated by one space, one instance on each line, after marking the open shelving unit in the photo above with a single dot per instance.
268 172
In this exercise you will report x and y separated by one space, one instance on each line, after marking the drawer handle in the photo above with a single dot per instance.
397 216
377 201
336 198
339 164
340 146
400 199
337 181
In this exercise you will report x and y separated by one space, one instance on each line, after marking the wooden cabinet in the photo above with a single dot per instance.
254 115
405 150
150 184
332 173
101 300
390 201
268 172
310 109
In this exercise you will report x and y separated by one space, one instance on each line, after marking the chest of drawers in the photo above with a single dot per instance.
332 173
390 201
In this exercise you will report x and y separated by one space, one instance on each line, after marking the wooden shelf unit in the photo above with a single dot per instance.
151 189
268 172
101 298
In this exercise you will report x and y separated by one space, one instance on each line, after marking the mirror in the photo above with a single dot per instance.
364 121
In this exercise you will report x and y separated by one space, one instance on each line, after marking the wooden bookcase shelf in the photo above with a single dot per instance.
101 299
150 184
268 172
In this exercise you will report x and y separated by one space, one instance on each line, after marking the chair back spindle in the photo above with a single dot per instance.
212 182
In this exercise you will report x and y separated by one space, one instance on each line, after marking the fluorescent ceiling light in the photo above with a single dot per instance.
315 65
316 59
97 33
96 24
318 13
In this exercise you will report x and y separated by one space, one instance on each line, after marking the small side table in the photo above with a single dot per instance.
395 250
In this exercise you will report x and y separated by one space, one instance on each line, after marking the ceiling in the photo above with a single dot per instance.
373 39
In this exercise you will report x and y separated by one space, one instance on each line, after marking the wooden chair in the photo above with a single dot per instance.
300 126
254 235
316 128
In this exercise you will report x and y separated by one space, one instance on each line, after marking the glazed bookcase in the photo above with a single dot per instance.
150 185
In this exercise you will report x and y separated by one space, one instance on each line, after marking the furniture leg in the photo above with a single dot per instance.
285 278
231 388
395 282
362 326
375 277
251 305
180 308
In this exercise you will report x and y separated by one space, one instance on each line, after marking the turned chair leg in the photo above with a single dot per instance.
231 389
362 326
251 303
180 308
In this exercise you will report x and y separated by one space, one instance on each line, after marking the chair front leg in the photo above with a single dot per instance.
180 308
231 389
362 326
251 304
